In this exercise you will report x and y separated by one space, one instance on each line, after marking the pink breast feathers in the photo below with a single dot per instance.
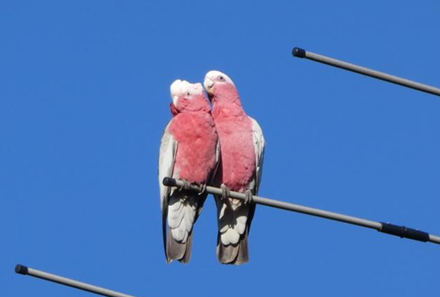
197 141
238 152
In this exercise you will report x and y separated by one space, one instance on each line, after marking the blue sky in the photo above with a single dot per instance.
84 99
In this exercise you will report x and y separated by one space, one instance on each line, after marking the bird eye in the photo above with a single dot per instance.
188 94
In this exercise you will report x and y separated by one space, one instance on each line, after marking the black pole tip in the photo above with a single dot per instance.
170 182
299 52
21 269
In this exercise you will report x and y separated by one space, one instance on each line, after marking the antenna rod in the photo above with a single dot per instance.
21 269
302 53
387 228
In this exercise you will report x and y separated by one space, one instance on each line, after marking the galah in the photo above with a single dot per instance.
242 151
188 151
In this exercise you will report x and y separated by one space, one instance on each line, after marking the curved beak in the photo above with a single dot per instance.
175 89
208 84
175 99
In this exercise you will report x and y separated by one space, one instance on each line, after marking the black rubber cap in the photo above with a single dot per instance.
299 52
404 232
170 182
21 269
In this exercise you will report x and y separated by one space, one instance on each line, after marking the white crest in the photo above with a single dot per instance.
184 89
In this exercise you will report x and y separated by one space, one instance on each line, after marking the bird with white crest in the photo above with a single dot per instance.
189 151
242 150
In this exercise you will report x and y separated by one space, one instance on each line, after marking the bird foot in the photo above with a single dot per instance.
225 192
248 197
186 185
202 189
225 195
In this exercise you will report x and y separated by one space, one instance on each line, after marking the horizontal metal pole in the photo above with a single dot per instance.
434 238
301 53
20 269
387 228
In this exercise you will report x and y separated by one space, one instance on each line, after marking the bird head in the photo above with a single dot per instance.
187 97
220 88
215 81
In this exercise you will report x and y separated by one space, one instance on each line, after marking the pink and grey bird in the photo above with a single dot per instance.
242 150
188 151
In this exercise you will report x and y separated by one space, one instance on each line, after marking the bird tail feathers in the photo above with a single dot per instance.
234 220
234 254
184 208
177 250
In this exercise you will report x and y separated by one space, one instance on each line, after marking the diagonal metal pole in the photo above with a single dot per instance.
20 269
301 53
387 228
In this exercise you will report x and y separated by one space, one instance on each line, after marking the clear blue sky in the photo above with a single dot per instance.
84 89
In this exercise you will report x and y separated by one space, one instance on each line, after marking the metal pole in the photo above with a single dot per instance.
20 269
301 53
387 228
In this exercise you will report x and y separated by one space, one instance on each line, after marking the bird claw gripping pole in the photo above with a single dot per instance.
202 189
249 198
186 185
387 228
226 193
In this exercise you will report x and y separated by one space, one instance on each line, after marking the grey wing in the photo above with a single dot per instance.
217 164
167 157
259 146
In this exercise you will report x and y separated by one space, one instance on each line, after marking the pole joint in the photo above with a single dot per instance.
404 232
